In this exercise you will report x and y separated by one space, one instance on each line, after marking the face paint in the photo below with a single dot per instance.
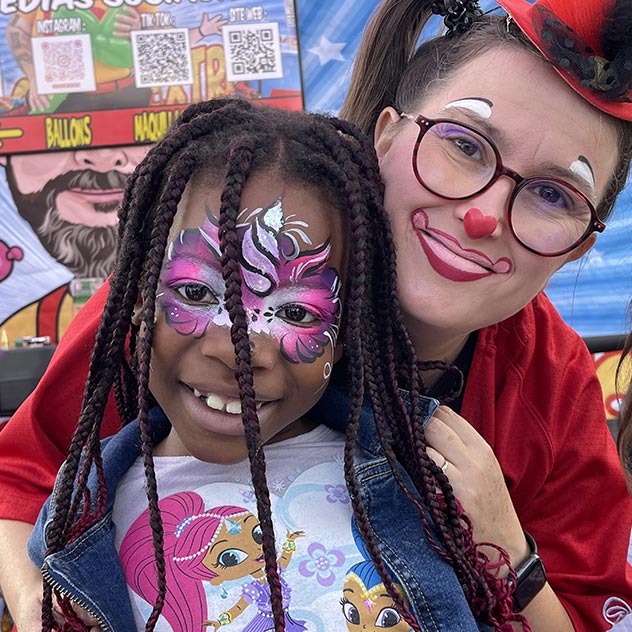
582 168
288 293
480 107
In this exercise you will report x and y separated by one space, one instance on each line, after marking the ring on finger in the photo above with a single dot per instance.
444 467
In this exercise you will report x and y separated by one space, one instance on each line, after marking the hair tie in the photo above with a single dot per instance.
458 15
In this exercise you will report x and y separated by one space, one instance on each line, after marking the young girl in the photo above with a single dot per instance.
250 239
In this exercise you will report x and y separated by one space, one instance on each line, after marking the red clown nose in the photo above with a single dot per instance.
478 225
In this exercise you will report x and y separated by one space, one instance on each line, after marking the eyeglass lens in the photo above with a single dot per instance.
546 216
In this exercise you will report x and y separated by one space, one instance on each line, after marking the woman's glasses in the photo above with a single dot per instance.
547 216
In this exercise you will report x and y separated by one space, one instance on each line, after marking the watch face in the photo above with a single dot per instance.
530 581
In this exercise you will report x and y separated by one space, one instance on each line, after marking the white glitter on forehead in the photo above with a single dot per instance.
583 170
482 107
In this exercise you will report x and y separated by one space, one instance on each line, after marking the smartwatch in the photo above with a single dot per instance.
530 577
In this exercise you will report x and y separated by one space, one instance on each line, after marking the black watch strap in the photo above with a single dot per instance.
530 577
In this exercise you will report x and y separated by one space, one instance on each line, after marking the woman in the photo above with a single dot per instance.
453 127
475 248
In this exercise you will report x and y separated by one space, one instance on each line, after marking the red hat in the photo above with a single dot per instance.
587 44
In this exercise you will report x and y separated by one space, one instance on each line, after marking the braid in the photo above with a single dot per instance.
238 169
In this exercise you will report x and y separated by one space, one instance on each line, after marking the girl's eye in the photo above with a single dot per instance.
296 315
196 293
231 557
350 612
388 618
257 534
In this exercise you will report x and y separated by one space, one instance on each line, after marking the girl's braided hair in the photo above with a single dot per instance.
233 139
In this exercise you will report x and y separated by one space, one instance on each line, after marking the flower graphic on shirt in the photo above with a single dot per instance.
248 495
337 494
321 563
278 486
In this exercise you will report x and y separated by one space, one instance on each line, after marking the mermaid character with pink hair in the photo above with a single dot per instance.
214 545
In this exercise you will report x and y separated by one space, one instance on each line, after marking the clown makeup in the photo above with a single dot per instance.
582 168
479 106
288 290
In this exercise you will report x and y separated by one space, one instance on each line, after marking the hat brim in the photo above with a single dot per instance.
521 13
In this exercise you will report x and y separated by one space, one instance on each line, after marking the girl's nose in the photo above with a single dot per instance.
217 343
478 225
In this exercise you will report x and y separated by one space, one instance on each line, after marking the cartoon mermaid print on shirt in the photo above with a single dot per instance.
213 545
366 604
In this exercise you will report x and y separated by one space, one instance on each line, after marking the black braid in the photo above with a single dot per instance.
239 166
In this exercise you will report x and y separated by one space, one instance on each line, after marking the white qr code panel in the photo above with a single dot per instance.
162 58
63 63
252 51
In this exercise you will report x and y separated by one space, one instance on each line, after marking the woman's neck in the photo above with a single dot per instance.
435 346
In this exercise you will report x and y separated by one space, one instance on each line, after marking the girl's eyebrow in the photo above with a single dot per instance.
216 543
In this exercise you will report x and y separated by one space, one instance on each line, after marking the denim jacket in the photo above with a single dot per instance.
90 573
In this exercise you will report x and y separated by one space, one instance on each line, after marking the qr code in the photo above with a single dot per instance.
252 51
162 58
63 63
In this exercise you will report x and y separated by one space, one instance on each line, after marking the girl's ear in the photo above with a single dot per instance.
338 351
383 136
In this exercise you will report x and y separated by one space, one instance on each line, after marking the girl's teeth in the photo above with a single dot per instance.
197 393
214 402
234 408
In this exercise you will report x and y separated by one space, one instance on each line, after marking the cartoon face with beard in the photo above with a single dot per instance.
71 200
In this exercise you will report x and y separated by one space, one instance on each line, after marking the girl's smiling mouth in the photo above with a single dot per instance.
222 403
449 259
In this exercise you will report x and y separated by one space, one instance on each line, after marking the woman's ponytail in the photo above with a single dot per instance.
388 44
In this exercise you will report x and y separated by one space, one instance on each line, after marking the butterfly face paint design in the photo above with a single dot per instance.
288 293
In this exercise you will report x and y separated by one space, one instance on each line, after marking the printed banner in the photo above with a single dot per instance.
97 73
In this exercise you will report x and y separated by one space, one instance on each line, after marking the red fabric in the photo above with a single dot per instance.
48 313
540 408
36 438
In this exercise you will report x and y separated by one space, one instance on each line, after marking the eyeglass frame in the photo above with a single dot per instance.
425 124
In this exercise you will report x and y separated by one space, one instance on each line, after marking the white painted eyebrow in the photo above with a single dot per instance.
582 168
480 107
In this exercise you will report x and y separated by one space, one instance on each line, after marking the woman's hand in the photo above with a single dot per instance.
478 482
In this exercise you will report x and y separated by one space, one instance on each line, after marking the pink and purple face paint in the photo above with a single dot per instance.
277 277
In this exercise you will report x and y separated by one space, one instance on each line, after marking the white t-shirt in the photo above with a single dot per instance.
212 542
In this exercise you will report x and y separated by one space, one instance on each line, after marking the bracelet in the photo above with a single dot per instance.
225 618
289 546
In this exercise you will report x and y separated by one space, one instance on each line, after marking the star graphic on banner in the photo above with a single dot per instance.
328 51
